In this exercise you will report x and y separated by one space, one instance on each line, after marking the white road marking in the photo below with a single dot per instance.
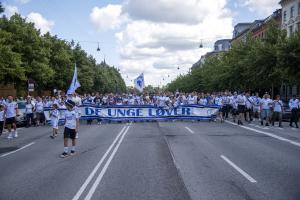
247 176
269 134
191 131
28 145
100 176
92 174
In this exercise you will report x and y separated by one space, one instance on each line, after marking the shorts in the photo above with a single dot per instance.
241 108
265 113
40 116
234 111
54 123
249 110
11 120
69 133
256 109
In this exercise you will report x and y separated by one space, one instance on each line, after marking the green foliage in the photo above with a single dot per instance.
250 65
49 61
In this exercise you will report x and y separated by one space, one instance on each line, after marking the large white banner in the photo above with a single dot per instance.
135 113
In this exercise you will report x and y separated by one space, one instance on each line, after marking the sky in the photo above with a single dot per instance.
142 36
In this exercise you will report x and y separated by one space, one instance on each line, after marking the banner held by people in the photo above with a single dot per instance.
143 112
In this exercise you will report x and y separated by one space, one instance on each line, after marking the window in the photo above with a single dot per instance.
284 16
292 12
298 8
290 30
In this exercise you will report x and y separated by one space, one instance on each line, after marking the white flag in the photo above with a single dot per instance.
139 83
75 83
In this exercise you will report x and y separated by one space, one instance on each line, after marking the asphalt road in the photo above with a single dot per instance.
157 161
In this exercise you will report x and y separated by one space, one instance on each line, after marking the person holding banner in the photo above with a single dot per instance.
71 127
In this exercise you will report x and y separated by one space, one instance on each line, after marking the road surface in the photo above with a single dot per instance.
154 161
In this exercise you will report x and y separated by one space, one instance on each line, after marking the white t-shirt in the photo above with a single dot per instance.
278 106
203 101
241 100
218 101
248 102
10 109
266 103
190 100
55 115
39 106
29 108
71 117
2 116
256 101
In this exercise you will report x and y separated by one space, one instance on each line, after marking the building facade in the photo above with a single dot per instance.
290 15
260 31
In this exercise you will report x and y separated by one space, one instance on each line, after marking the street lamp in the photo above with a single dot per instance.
201 45
98 49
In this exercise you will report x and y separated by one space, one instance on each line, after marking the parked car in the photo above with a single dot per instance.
286 115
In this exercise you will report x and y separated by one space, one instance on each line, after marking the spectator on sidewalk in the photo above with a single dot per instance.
277 111
39 109
29 109
294 106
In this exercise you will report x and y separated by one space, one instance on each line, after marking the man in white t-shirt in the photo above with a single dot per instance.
39 109
11 111
277 111
265 105
241 103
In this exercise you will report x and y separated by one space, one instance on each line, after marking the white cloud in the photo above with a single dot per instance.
40 22
263 7
10 10
106 18
158 37
24 1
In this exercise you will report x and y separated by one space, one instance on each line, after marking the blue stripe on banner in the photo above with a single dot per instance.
140 106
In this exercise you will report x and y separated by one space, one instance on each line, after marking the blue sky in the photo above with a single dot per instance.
125 39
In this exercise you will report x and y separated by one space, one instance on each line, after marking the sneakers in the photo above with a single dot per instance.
63 155
10 136
72 152
16 134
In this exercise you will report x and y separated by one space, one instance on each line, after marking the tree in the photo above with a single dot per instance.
1 8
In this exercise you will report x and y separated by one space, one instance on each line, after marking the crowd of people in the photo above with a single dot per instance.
242 107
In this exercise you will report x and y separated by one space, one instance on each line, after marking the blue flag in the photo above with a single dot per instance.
139 83
75 83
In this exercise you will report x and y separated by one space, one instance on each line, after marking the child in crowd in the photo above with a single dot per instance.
54 120
71 127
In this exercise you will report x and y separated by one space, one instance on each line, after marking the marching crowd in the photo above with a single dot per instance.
242 106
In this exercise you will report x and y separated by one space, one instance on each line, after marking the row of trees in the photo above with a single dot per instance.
49 61
251 65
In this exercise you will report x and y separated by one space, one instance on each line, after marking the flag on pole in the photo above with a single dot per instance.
75 83
139 83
